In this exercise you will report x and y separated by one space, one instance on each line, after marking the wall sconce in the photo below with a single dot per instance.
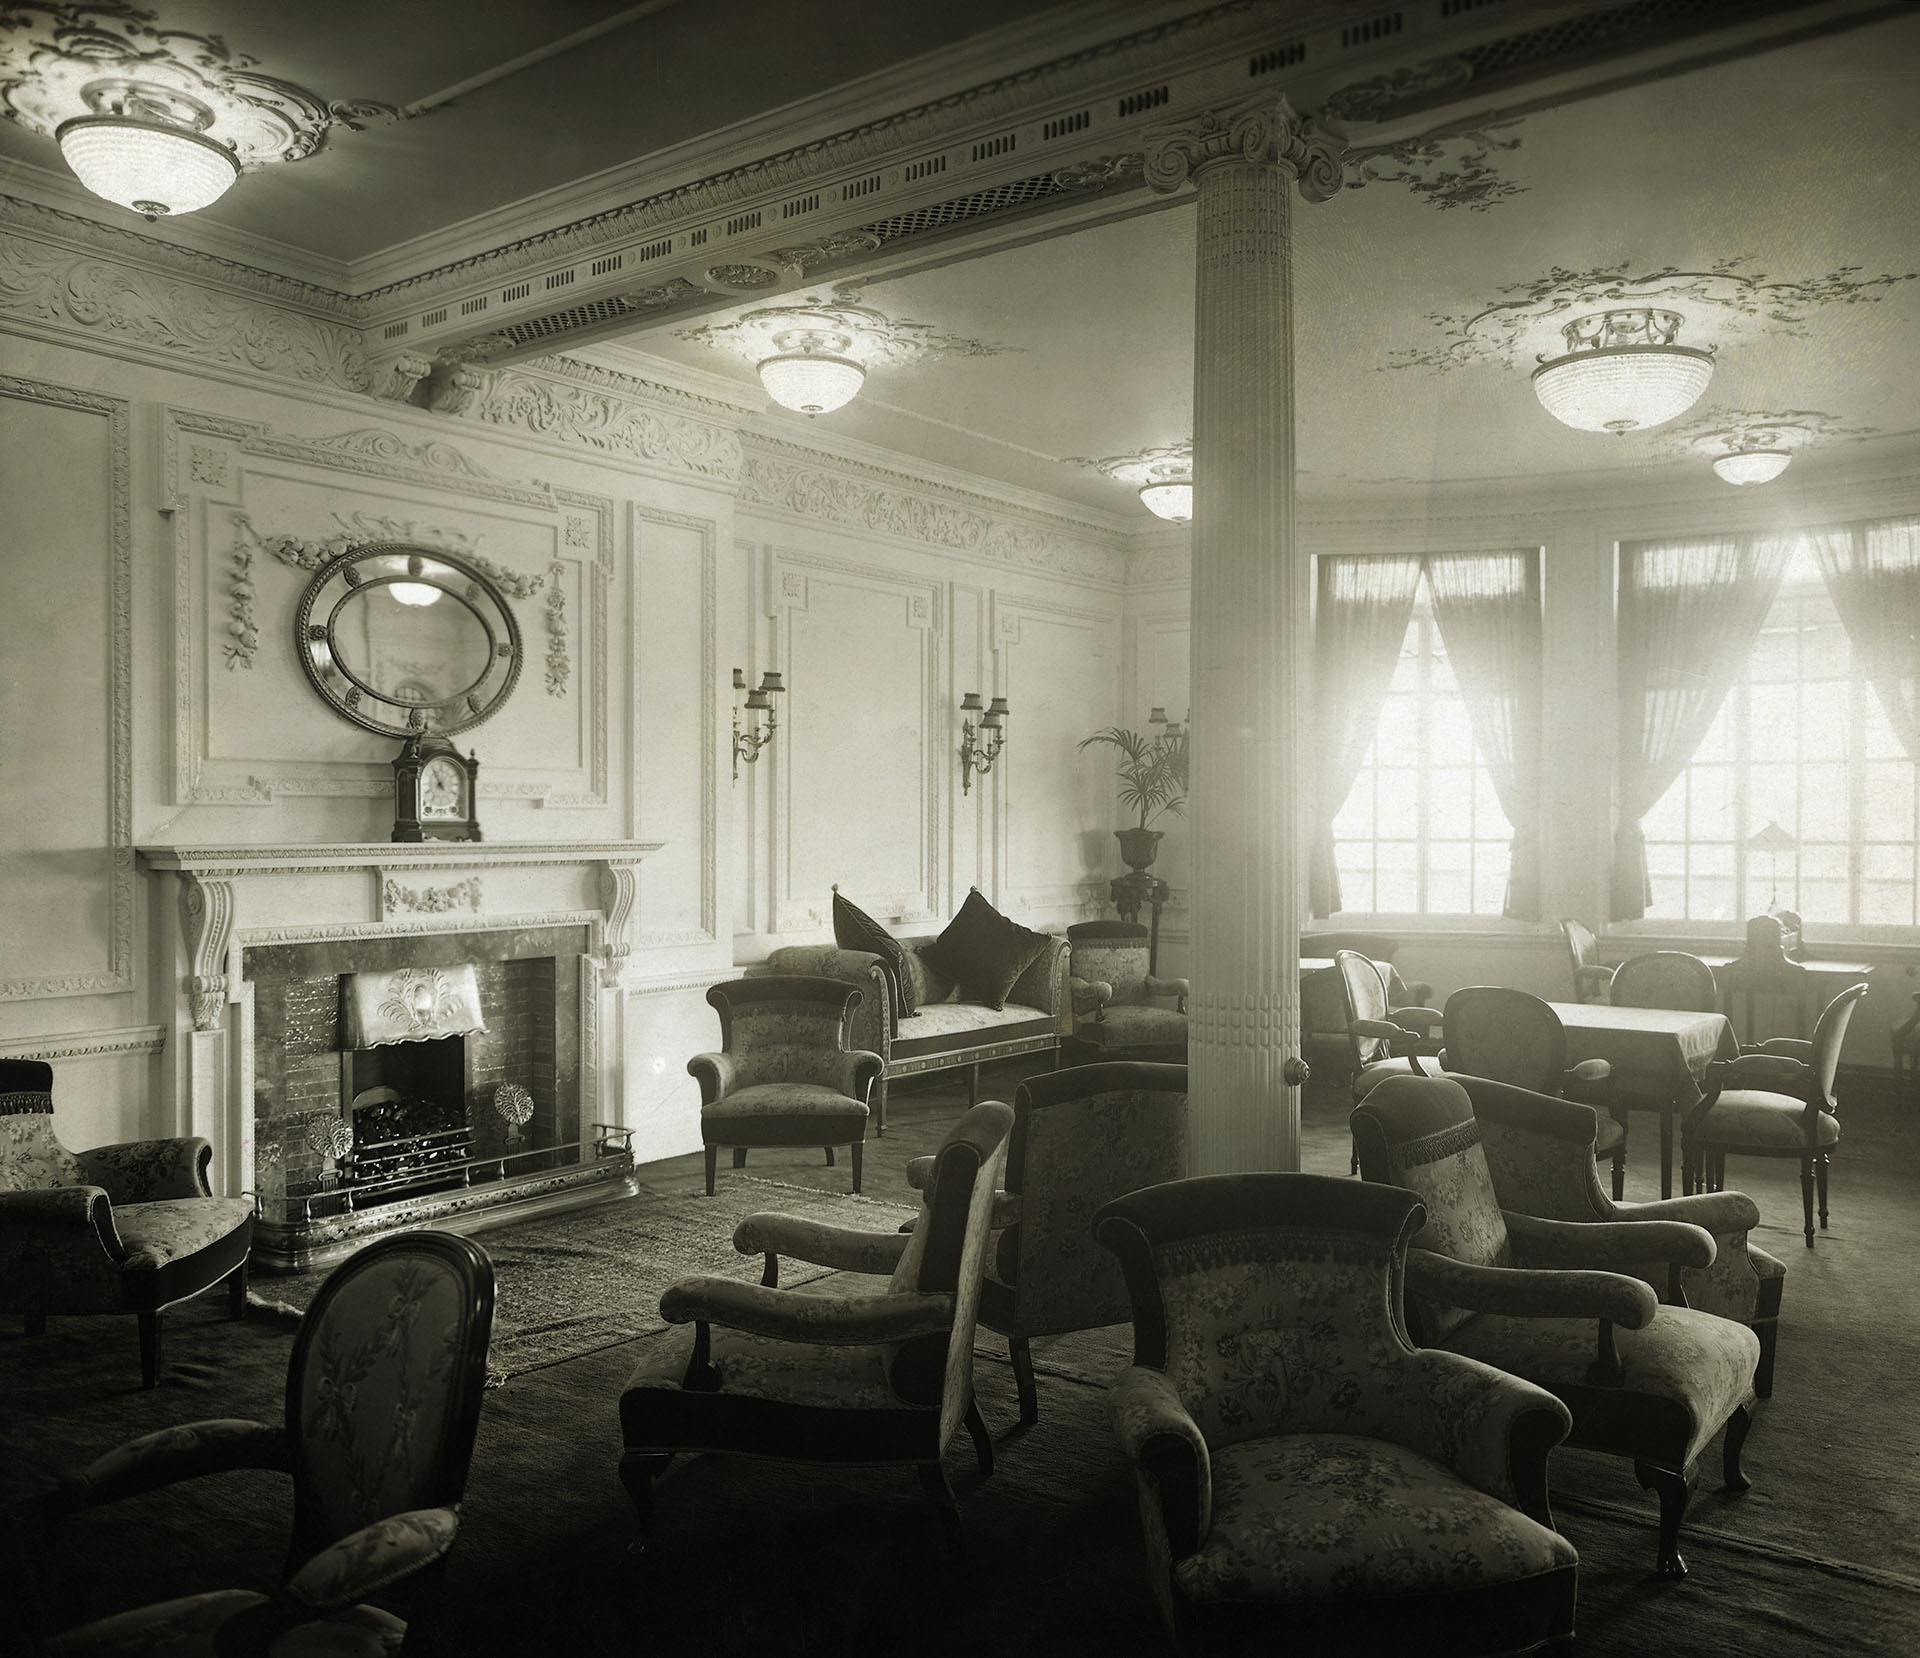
980 746
748 740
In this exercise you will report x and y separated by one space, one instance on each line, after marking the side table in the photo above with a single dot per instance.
1129 893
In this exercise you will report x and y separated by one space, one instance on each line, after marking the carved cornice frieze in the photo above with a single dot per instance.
95 298
789 478
1263 131
87 1044
458 895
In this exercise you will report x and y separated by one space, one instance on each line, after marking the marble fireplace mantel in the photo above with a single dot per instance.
229 899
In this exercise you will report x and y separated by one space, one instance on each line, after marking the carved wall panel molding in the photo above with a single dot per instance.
198 448
96 300
396 898
116 675
605 420
787 478
87 1044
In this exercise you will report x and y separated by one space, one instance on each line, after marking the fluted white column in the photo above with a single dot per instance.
1249 615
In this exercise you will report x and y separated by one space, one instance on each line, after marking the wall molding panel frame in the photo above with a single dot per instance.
116 676
87 1044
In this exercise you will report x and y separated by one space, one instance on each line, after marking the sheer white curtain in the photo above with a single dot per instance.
1689 614
1873 573
1361 611
1487 606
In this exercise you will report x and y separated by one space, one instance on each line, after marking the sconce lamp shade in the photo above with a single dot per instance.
1752 466
150 166
1772 840
809 383
1622 372
1171 501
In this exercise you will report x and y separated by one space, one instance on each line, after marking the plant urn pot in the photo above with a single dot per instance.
1139 847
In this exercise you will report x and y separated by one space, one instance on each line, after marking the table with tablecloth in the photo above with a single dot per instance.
1658 1056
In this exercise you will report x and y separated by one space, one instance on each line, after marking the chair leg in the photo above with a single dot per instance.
973 1086
854 1155
739 1157
713 1157
1619 1174
1820 1185
1738 1425
1806 1196
150 1348
1022 1356
982 1440
1673 1490
637 1472
237 1291
880 1107
1769 1333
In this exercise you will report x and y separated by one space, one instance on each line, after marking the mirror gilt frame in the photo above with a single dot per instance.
353 691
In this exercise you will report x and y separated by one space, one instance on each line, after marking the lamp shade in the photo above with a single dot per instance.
150 166
809 383
417 593
1622 372
1752 466
1171 501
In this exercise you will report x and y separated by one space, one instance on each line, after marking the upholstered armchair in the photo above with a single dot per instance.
784 1076
853 1377
1120 1010
127 1228
383 1400
1081 1137
1540 1153
1309 1481
1592 978
1775 1100
1378 947
1665 978
1567 1305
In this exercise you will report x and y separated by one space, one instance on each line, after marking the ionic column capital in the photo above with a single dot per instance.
1262 131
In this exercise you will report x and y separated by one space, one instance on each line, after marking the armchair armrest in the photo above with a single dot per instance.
1531 1292
1786 1047
1492 1429
1006 1205
1169 987
1770 1073
1421 1019
783 1315
78 1208
1089 995
717 1074
1164 1443
1724 1214
847 1248
349 1570
1588 1080
150 1171
1606 1245
170 1455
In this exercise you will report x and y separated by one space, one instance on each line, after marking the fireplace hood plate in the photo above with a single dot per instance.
412 1004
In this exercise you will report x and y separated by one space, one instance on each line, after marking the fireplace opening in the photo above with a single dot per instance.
409 1117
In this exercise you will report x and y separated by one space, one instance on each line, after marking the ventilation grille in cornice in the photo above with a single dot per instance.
1649 19
565 322
982 202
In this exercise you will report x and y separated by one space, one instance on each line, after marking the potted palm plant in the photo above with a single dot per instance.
1153 779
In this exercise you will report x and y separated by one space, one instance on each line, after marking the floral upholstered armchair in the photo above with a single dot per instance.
126 1228
1309 1480
849 1377
1540 1153
1567 1305
1120 1010
383 1401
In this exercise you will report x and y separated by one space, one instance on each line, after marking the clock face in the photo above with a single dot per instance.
442 789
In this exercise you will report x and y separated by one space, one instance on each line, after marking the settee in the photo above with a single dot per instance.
942 1033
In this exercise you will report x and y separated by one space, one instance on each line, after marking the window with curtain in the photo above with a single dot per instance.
1422 831
1804 741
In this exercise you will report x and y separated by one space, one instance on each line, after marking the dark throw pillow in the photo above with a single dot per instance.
854 929
985 951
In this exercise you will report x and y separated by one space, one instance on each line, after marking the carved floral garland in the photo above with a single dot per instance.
244 630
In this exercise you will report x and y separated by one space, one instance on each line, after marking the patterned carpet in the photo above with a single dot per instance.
575 1283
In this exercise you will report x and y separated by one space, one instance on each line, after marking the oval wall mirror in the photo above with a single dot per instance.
403 639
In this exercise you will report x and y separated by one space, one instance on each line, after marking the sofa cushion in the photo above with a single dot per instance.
174 1228
854 929
985 951
949 1027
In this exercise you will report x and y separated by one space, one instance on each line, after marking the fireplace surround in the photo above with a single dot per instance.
265 951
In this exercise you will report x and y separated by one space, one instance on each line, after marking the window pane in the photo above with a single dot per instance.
1773 722
1668 819
1397 811
1397 879
1823 802
1887 903
1450 807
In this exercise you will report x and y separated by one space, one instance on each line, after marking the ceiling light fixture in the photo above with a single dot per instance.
1752 466
1622 372
146 148
1169 494
812 373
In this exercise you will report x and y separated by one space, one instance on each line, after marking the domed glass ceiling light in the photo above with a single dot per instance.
812 373
1169 493
1622 372
1752 466
145 147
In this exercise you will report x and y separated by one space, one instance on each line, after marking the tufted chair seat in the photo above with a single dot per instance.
1309 1481
130 1228
1565 1304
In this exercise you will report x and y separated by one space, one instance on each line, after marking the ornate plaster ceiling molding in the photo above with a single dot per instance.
876 338
1148 466
1447 170
57 62
1732 301
1720 431
1379 96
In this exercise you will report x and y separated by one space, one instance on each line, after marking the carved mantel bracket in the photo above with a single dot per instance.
619 891
206 915
1260 131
